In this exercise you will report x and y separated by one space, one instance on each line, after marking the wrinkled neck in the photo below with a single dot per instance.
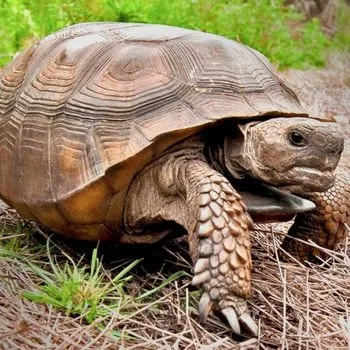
214 154
217 157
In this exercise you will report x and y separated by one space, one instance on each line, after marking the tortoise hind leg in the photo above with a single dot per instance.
325 225
185 190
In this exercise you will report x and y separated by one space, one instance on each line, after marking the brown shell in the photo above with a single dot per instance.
83 110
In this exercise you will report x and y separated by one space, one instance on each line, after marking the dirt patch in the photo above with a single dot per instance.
324 92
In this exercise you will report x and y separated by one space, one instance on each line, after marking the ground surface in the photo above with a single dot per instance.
297 307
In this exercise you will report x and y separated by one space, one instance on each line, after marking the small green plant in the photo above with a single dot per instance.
88 291
76 291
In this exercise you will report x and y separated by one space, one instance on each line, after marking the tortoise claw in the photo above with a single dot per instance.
236 315
245 320
249 324
232 319
205 306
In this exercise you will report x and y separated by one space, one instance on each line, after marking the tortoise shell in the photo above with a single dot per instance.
86 108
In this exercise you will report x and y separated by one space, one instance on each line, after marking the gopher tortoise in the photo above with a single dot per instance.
127 132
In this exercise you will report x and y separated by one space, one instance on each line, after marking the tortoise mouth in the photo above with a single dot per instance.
270 204
308 179
314 172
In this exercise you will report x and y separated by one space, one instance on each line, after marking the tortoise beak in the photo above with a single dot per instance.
270 204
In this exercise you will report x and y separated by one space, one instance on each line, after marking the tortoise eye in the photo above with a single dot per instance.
297 139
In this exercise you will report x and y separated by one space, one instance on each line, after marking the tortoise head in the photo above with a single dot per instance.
297 154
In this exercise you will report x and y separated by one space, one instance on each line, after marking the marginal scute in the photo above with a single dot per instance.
51 216
88 206
91 232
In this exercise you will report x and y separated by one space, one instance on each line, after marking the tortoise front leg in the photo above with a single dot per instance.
325 225
190 193
219 245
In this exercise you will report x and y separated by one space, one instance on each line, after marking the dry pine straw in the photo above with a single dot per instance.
296 306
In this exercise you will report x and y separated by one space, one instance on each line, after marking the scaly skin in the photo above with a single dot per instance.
219 244
325 225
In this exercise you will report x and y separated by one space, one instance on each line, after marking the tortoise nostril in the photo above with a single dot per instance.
335 149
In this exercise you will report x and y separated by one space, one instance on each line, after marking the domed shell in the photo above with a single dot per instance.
86 108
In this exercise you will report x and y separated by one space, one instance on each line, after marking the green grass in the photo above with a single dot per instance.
17 239
269 26
78 288
342 37
77 291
